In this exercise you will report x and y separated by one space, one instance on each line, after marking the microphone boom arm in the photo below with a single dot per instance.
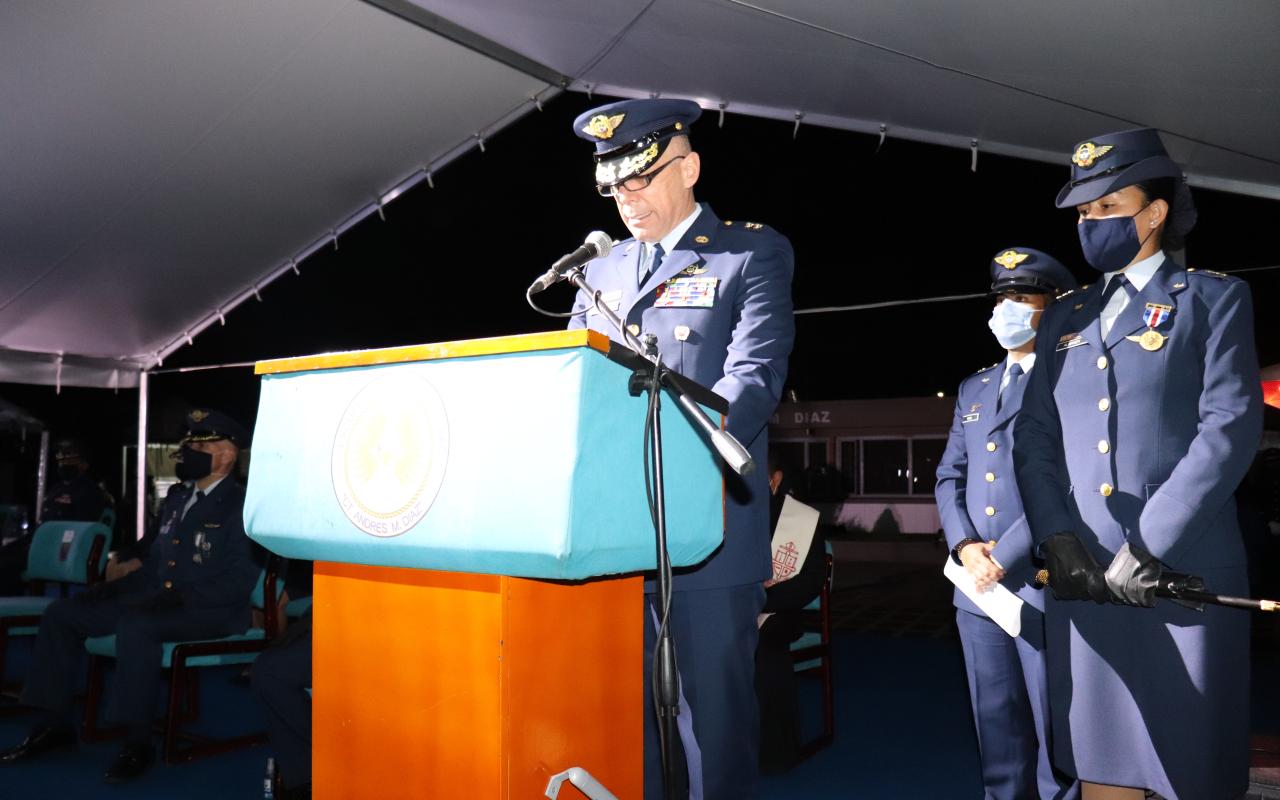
727 447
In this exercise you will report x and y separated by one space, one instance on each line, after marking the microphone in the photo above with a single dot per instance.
597 245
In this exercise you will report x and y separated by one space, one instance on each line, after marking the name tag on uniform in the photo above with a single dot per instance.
1068 341
967 418
213 524
689 292
610 299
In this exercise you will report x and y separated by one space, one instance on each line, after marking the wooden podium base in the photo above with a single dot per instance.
435 684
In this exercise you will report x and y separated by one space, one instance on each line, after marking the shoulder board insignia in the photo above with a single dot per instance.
1067 293
728 222
1214 273
753 226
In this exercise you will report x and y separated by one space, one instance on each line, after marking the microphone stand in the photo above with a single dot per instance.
666 687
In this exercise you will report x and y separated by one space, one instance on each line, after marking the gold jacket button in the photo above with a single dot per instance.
177 541
1103 446
173 563
991 447
991 512
991 477
168 584
634 328
1102 362
1105 489
1104 404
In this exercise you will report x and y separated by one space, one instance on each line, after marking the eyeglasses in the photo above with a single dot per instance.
637 182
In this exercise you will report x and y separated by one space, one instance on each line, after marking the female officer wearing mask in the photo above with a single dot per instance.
1136 427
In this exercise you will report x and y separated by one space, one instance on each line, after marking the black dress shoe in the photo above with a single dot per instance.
39 741
131 762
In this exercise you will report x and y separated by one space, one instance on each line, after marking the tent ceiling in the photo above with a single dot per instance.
159 159
1023 79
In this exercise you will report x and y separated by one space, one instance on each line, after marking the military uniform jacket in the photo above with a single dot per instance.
720 307
80 499
977 490
204 557
1119 442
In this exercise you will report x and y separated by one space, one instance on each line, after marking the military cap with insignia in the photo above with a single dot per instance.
1023 269
207 425
631 135
1113 161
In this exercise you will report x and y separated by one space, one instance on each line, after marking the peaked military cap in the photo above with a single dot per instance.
207 425
69 449
1022 269
631 135
1113 161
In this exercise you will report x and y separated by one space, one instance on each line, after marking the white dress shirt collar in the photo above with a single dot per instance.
1139 274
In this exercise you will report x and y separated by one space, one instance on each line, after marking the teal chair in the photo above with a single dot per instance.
108 517
63 553
184 661
812 655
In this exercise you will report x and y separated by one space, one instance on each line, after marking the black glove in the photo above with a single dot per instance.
1074 574
1133 576
1173 584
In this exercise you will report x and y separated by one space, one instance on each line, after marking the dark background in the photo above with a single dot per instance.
449 263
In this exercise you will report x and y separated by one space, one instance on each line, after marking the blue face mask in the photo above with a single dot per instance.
1112 243
1011 323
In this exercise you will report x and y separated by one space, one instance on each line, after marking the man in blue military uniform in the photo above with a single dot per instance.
987 532
1140 420
717 295
195 583
75 495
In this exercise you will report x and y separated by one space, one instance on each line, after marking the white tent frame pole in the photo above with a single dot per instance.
140 488
42 476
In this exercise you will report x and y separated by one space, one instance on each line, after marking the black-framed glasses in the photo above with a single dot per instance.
637 182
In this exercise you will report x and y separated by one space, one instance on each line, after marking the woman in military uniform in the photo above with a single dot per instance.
1130 443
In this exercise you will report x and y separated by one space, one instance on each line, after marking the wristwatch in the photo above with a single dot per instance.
962 544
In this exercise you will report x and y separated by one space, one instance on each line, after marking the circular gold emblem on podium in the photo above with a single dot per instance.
389 454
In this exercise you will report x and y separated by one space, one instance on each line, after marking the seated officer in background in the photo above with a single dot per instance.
717 295
74 495
987 531
194 583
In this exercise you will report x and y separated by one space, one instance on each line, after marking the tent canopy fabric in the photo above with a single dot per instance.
1028 80
13 418
160 162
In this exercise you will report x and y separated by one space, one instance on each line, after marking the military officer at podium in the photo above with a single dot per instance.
1140 419
987 532
717 295
195 583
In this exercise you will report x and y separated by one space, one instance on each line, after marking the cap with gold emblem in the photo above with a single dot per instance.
631 135
207 425
1023 269
1113 161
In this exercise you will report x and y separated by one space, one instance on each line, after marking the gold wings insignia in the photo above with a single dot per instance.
1010 259
602 127
1087 153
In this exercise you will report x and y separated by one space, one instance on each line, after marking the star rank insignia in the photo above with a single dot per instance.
1088 152
1010 259
602 126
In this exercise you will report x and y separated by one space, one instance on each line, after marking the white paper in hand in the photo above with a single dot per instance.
793 537
1001 605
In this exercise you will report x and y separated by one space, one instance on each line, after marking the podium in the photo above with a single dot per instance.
477 514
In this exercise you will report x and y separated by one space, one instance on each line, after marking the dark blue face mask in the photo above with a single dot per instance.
1111 243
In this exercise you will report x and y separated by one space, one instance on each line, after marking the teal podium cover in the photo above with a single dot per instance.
518 456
